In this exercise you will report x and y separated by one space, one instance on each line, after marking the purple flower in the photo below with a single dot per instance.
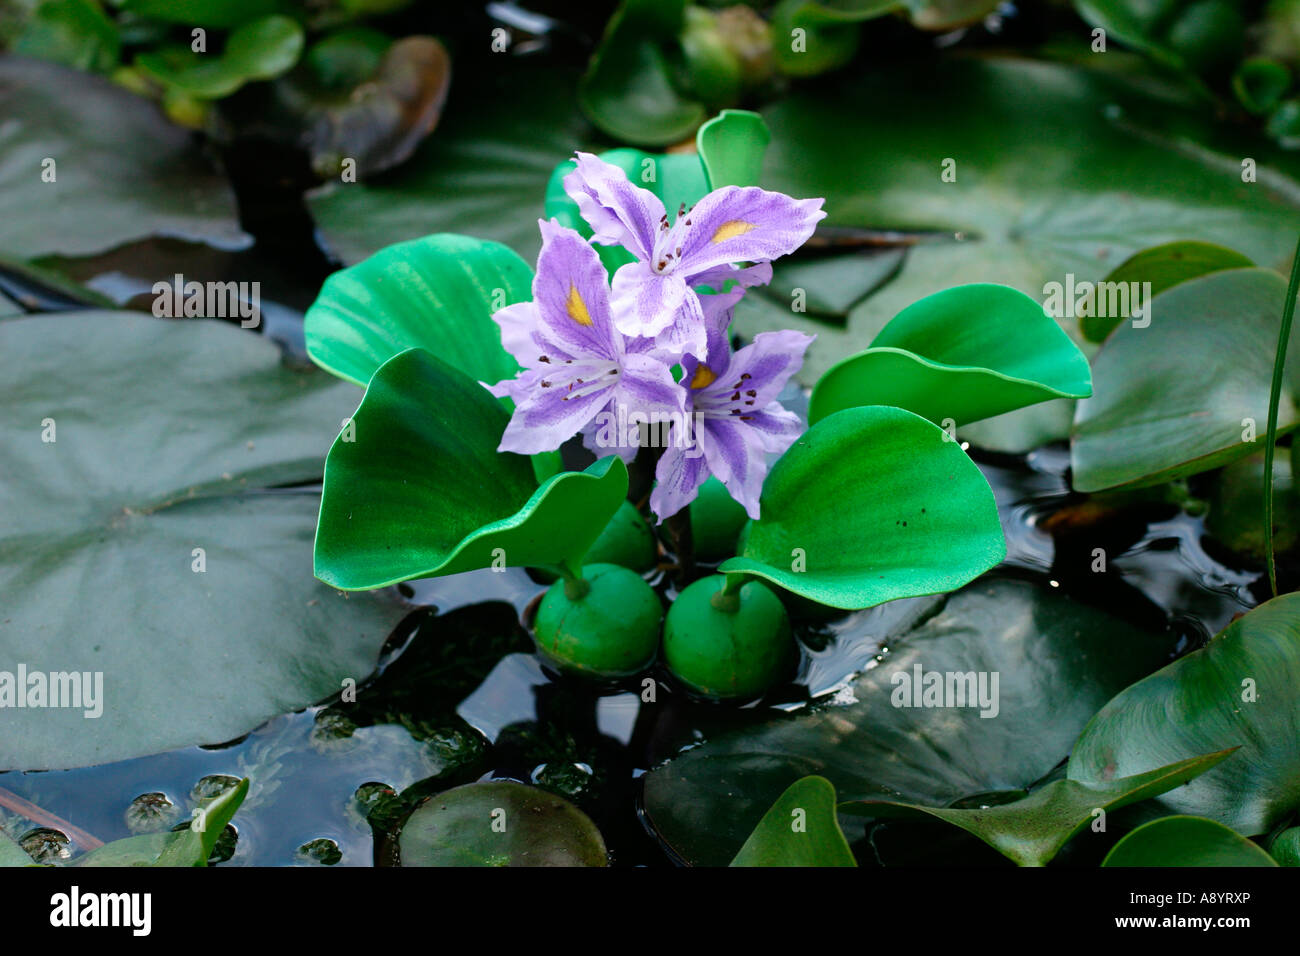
576 363
737 421
655 296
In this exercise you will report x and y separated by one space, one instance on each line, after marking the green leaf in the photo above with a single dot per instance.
500 823
484 174
437 293
76 33
1236 501
422 491
731 148
1032 830
204 13
869 505
1178 397
1164 266
141 850
965 354
1058 661
628 91
12 854
259 50
1186 841
166 438
1260 84
193 845
1239 690
1190 35
114 183
1286 848
808 804
830 32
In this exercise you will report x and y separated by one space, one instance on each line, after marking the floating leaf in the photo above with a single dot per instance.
1286 848
628 90
830 32
1032 830
259 50
11 854
1058 661
1187 393
799 830
1164 267
114 182
1186 841
141 541
869 505
964 354
205 13
76 33
437 293
500 823
419 489
1239 690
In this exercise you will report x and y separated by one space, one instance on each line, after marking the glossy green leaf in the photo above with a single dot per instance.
418 489
484 174
1260 84
147 538
1239 690
11 854
205 13
194 845
1235 516
1164 266
259 50
1058 661
964 354
115 182
437 293
1187 393
731 148
1186 841
500 823
800 830
1286 848
869 505
1032 830
76 33
628 90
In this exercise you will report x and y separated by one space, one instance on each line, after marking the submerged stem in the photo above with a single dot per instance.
1279 363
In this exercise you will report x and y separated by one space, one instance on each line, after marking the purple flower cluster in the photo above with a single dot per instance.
597 356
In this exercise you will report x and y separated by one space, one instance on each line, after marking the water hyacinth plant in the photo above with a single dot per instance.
622 342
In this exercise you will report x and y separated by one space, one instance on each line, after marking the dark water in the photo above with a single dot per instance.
460 697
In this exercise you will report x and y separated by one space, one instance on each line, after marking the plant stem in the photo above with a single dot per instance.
576 587
727 598
679 526
1275 396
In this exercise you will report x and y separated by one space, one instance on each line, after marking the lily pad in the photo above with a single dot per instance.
1057 661
144 539
436 293
115 182
484 174
418 489
500 823
1186 841
801 829
1032 830
964 354
1187 393
1239 690
872 504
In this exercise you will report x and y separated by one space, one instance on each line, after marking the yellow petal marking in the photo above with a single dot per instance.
576 308
731 229
703 377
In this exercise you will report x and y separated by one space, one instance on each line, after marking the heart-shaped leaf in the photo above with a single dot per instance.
141 542
829 32
731 148
258 50
416 487
1057 662
1187 393
1163 266
1186 841
1239 690
1032 830
500 823
437 293
869 505
964 354
112 182
801 829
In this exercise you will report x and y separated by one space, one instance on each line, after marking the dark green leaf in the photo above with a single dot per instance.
800 830
76 33
1186 841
